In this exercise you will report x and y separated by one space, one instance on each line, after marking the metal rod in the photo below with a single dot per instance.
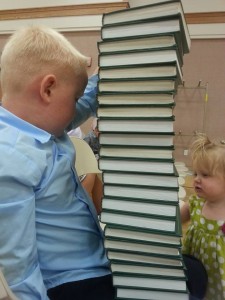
205 108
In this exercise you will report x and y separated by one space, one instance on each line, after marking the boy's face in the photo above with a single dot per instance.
64 108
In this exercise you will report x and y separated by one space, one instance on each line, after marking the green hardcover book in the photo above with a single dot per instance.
166 25
146 294
148 193
157 70
160 139
138 234
127 111
132 219
142 247
135 152
139 268
135 99
150 10
147 281
169 181
139 57
145 259
151 41
135 3
139 205
137 85
135 124
150 166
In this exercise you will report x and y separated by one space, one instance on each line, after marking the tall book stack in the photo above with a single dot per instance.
140 66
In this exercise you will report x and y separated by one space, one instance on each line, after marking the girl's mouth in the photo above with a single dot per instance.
198 189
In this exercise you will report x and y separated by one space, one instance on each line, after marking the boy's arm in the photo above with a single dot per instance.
97 194
86 106
18 251
185 213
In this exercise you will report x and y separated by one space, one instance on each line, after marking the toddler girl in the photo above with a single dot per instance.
205 237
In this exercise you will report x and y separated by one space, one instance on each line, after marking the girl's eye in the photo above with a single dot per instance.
201 174
205 175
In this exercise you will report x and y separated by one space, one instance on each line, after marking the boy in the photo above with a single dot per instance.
51 241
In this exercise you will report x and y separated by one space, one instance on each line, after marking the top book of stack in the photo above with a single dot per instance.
158 18
135 3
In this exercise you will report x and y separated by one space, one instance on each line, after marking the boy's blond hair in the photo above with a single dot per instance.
38 50
208 156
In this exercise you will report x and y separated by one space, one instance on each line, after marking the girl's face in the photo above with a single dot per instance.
210 187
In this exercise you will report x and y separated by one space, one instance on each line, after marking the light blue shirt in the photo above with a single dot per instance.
87 104
49 232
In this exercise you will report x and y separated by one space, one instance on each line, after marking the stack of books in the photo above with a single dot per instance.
140 67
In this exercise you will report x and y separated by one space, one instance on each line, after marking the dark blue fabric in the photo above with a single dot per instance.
197 277
99 288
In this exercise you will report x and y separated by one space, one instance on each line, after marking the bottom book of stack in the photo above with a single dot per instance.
147 294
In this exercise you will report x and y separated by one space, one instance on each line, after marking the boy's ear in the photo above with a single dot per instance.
48 84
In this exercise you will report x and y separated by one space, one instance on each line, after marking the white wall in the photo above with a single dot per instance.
188 5
205 31
70 23
191 6
15 4
81 23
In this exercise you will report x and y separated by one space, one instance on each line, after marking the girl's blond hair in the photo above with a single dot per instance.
208 156
34 50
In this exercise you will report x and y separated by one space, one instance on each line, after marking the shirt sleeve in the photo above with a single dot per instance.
18 251
86 106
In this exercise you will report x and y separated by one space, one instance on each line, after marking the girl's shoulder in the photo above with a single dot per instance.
209 226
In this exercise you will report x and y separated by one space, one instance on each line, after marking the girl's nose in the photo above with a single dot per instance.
197 178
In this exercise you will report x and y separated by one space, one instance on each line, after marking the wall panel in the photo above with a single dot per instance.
205 63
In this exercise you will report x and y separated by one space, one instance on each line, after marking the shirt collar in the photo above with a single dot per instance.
12 120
